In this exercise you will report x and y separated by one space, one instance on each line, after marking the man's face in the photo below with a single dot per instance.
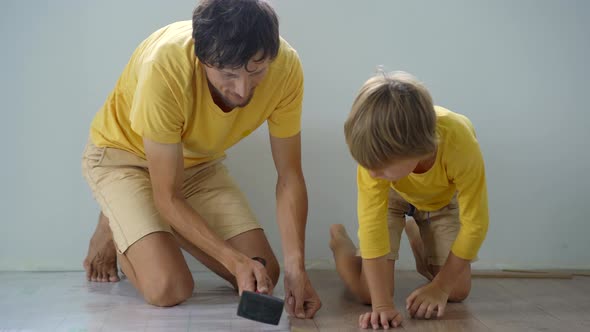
396 170
234 87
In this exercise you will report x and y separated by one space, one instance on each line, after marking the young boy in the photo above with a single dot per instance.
417 160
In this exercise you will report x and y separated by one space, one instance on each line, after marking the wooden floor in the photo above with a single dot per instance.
64 301
502 305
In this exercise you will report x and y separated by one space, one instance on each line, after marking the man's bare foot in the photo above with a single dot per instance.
101 262
340 242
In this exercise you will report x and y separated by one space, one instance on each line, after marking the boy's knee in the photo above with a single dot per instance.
364 298
460 293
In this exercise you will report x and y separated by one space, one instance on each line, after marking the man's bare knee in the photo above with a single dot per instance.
273 270
168 291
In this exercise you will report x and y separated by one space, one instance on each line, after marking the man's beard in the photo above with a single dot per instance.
226 102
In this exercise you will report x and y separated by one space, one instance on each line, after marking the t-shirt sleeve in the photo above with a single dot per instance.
285 120
155 112
372 215
468 173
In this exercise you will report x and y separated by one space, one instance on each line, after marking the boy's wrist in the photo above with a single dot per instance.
382 306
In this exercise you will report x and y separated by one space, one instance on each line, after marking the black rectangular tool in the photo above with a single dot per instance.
260 307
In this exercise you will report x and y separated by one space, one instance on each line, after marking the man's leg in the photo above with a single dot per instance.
101 262
155 266
252 243
211 191
148 251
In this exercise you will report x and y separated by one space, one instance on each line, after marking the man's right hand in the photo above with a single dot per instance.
251 276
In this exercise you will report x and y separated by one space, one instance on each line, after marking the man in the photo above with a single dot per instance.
189 92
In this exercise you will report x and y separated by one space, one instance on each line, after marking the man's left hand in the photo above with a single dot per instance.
301 300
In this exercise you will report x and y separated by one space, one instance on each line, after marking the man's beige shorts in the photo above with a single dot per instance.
438 229
120 183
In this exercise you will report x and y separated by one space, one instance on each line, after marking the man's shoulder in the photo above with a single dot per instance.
170 47
287 58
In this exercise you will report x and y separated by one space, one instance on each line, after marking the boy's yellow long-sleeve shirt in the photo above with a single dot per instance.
459 168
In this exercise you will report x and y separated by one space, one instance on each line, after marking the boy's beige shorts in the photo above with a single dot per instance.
438 229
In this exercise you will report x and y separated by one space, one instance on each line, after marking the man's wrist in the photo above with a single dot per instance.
232 259
294 263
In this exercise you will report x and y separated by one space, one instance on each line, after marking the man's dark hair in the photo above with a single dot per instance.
228 33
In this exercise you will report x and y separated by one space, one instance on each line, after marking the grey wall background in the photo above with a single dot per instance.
519 70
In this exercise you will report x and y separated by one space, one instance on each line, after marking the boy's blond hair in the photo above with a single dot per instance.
392 118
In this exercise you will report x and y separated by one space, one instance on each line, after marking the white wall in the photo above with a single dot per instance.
519 70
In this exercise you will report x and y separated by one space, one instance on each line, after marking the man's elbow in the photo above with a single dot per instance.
165 204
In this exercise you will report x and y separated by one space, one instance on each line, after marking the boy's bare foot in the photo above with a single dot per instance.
101 262
340 242
413 233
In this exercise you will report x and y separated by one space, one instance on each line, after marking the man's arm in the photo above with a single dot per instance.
166 167
291 195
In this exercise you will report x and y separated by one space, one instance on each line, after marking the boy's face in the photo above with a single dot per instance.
395 171
235 87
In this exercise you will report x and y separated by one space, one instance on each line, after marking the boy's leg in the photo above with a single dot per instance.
463 284
438 230
413 232
349 264
347 256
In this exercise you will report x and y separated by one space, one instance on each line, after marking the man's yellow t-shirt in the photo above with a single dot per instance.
163 95
459 168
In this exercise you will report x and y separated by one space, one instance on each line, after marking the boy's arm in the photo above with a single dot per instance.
374 244
372 215
379 274
467 171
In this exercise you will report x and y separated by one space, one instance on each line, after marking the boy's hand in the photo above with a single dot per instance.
424 301
385 317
